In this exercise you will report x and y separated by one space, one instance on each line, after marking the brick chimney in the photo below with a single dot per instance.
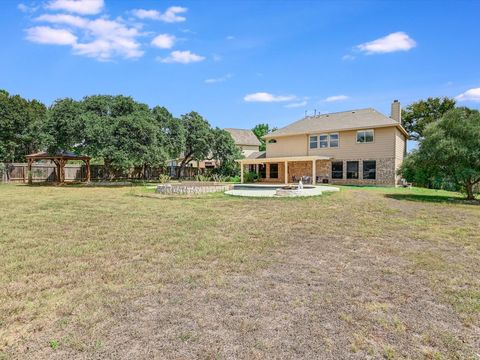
396 112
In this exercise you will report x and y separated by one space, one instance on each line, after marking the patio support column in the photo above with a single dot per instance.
314 172
241 173
286 172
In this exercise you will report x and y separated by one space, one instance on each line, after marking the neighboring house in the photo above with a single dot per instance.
245 140
351 147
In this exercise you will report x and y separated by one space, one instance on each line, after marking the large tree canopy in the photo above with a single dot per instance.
225 151
21 127
449 149
117 130
416 116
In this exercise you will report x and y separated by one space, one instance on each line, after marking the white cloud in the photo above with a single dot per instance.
397 41
469 95
163 41
348 57
83 7
336 98
182 57
146 14
220 79
230 37
26 9
267 97
297 104
101 38
71 20
110 38
169 16
48 35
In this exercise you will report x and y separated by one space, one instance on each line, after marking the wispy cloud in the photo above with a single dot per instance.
348 57
469 95
26 8
106 38
336 98
83 7
48 35
65 19
182 57
163 41
171 15
230 37
296 104
219 79
397 41
267 97
71 22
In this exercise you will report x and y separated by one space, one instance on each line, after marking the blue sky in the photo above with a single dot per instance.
239 63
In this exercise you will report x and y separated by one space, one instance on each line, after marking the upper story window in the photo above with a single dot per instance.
324 141
334 140
365 136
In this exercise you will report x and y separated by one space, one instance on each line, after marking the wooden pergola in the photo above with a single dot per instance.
60 159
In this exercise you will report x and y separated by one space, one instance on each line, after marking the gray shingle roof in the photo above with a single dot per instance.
345 120
257 155
243 137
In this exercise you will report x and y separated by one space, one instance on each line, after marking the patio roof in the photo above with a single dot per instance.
282 159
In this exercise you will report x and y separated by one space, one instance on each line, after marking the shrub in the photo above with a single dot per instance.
202 178
164 178
250 176
233 179
218 178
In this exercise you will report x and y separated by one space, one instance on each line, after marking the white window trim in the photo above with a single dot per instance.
338 140
310 142
328 140
365 142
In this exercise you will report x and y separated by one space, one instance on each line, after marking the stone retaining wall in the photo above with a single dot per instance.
192 188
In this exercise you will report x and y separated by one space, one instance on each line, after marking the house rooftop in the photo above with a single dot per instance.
243 136
338 121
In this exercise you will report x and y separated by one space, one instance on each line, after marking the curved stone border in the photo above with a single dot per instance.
192 188
264 191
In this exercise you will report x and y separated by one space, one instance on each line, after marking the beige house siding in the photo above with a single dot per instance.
298 145
387 149
295 145
400 151
248 149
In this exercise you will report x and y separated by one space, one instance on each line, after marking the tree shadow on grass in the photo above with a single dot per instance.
433 198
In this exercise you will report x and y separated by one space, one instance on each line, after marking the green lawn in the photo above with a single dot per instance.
124 273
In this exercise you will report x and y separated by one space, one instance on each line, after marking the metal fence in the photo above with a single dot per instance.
46 172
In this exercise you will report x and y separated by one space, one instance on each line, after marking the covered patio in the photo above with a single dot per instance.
287 169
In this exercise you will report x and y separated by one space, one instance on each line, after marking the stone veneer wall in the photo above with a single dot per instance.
299 169
386 174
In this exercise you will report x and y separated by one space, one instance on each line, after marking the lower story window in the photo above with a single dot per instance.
352 169
274 171
337 170
370 169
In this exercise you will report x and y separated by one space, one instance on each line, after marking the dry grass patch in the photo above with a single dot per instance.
123 273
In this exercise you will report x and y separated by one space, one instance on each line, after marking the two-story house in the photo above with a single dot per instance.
350 147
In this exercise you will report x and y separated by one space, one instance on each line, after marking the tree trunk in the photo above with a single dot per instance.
184 162
469 190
